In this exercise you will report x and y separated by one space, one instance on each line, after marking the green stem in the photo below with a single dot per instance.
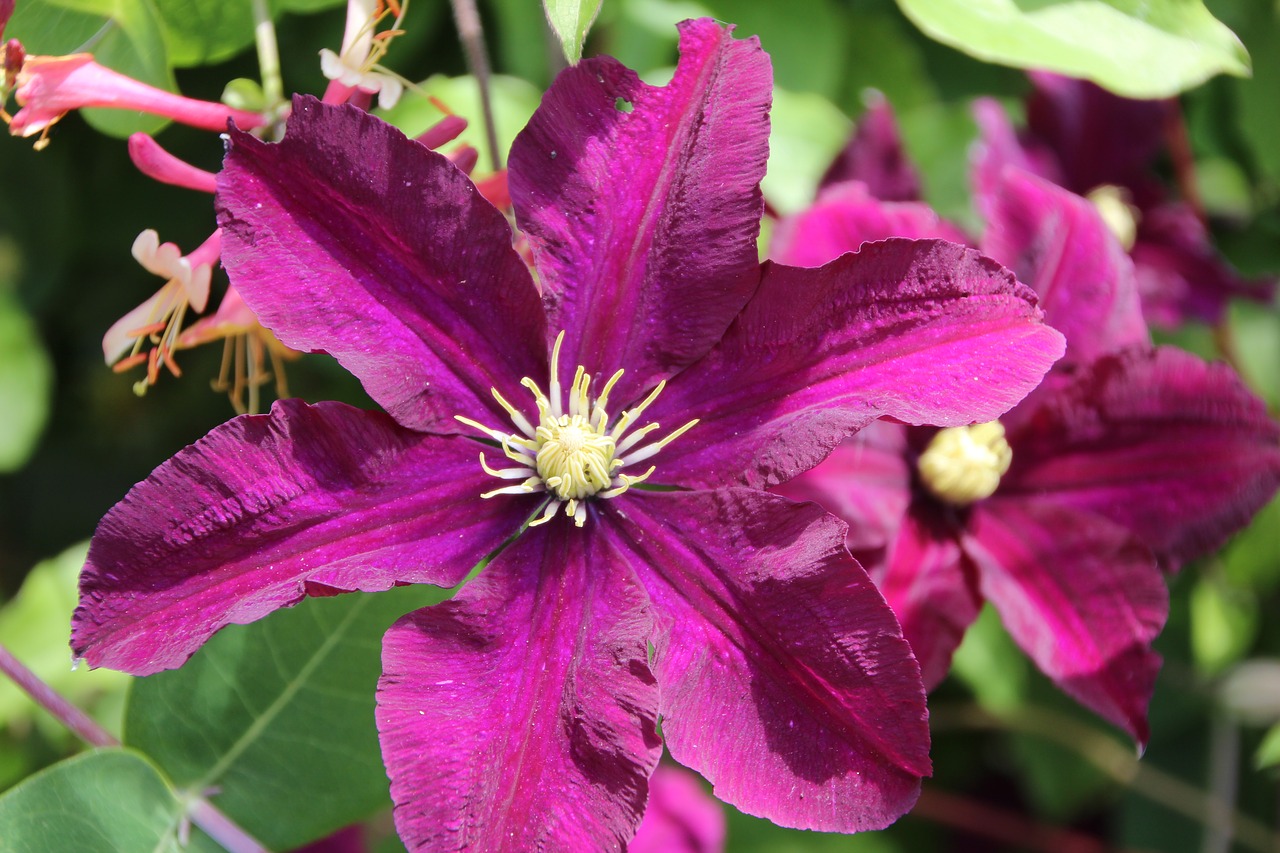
1118 762
264 33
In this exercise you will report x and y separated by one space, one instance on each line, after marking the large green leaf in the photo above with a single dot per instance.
808 131
26 379
202 32
104 801
1138 48
571 20
124 35
277 717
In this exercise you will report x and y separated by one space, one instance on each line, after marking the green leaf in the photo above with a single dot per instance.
277 716
1268 754
124 35
991 665
35 626
571 20
202 32
103 801
807 132
514 100
1224 622
26 382
806 40
1137 48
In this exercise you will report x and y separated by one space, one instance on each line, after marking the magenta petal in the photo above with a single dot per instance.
926 582
642 204
1056 242
875 157
847 215
521 715
999 146
783 676
1175 449
349 238
681 816
866 481
920 331
266 508
1080 595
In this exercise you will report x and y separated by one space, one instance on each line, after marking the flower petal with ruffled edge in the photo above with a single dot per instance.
1175 449
1080 595
349 238
265 509
920 331
521 714
1056 242
642 204
847 215
783 678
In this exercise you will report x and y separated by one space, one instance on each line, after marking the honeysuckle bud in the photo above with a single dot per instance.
158 164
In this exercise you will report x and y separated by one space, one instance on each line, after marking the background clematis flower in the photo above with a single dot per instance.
522 432
1101 146
680 817
1061 512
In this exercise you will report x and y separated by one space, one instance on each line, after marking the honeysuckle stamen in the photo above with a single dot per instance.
573 454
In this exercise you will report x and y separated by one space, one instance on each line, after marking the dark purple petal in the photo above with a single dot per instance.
642 204
1056 242
1099 138
920 331
932 591
681 816
866 481
1080 595
1180 275
1176 450
349 238
268 508
784 679
521 715
847 215
875 157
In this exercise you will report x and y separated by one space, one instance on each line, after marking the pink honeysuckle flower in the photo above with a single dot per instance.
159 165
1126 459
1101 146
48 87
523 713
158 321
680 817
354 68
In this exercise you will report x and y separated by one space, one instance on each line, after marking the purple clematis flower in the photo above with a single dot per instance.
631 572
1126 458
1101 146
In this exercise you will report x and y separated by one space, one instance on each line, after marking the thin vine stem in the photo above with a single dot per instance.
199 810
1118 762
471 33
264 35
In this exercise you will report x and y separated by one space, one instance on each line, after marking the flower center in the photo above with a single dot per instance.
1121 217
575 452
964 464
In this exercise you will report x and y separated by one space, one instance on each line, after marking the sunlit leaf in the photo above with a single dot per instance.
35 625
1224 622
1138 48
104 801
124 35
808 132
571 20
1268 754
991 665
201 32
278 717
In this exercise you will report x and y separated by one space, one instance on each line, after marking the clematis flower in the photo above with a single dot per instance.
680 817
48 87
597 441
1101 146
1060 514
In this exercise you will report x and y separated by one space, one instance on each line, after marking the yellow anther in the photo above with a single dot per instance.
962 465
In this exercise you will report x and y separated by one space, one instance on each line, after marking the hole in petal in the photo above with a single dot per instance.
622 105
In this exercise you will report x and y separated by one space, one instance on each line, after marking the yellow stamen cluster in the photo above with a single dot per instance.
1120 216
964 464
574 453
